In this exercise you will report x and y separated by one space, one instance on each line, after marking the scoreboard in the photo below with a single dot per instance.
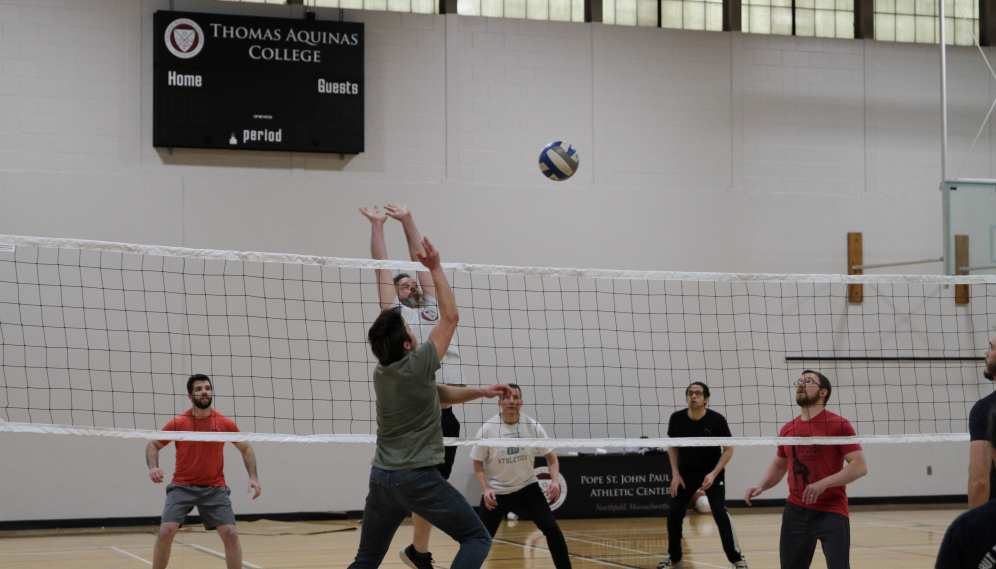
249 83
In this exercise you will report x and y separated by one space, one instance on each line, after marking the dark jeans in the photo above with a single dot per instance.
451 428
531 501
717 501
801 527
393 494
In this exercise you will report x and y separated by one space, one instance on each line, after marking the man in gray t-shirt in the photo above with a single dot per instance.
404 478
416 299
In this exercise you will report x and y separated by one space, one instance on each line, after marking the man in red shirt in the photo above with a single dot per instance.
199 479
817 503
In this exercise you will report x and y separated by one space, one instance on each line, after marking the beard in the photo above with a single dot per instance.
805 400
414 300
202 404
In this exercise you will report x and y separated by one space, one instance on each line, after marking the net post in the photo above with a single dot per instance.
855 258
962 293
944 95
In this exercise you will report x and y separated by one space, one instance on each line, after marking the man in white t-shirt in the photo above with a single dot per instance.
508 479
420 311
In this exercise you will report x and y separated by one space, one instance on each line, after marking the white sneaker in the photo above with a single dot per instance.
702 505
668 564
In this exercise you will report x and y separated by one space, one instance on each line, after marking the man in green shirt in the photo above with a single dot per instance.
404 477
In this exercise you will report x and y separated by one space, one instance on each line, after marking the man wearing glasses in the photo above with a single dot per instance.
693 468
817 502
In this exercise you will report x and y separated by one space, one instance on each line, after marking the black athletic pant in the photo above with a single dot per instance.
717 501
801 527
451 428
532 502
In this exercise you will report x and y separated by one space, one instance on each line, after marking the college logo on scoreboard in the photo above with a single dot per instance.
543 476
184 38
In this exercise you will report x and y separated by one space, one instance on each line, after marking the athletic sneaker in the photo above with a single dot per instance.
740 564
668 564
416 560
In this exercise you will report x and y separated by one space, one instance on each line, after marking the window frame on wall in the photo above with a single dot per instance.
858 19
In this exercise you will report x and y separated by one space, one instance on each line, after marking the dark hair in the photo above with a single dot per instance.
824 383
400 276
705 388
387 336
992 426
514 386
194 379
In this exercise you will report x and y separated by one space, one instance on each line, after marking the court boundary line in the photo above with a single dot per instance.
597 560
142 559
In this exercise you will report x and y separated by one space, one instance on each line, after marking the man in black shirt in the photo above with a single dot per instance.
695 467
981 472
970 542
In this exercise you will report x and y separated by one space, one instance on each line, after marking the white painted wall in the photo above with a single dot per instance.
700 151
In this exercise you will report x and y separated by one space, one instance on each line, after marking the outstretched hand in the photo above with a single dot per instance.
399 212
430 258
374 215
498 390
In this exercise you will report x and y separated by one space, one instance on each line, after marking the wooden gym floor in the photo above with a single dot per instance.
907 537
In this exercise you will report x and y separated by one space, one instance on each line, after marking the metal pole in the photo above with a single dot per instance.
897 264
944 97
944 141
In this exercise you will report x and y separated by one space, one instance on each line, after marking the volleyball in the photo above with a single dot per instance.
559 161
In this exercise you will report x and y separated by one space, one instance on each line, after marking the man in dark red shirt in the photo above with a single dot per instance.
817 502
199 479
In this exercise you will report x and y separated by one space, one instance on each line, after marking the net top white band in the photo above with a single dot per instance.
250 256
456 441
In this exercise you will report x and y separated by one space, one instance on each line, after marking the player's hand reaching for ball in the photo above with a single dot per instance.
753 492
498 390
490 501
255 485
374 215
431 257
399 212
156 474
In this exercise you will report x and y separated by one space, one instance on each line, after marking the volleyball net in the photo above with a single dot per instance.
99 339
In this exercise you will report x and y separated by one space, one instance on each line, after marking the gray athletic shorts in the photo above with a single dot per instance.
213 504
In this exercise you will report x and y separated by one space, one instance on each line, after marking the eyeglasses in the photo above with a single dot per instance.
690 393
808 381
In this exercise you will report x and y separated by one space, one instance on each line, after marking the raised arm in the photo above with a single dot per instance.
401 213
378 251
152 460
776 471
249 458
449 316
453 395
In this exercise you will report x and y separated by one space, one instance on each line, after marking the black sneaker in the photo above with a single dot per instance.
416 560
